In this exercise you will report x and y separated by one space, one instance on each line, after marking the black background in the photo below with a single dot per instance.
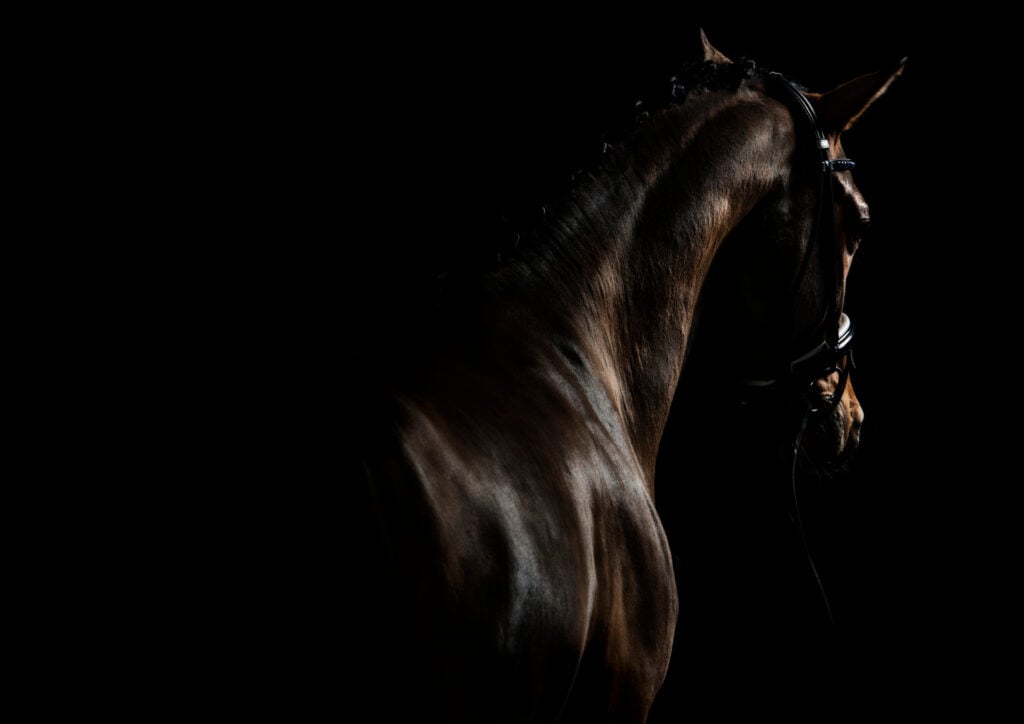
381 152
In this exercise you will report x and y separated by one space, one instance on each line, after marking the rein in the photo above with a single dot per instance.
798 519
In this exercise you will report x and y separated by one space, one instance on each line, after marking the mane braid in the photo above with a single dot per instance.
711 76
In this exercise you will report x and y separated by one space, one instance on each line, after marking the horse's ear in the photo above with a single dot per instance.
711 53
840 108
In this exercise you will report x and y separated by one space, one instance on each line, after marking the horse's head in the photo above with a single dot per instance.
785 267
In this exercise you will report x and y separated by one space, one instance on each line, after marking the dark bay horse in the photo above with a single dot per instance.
511 564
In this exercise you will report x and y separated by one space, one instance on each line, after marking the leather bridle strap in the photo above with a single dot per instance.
835 332
824 217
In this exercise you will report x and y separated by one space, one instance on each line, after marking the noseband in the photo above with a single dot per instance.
834 352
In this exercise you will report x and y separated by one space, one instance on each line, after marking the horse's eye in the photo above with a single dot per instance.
860 232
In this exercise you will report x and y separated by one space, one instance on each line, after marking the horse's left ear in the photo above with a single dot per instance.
711 53
840 108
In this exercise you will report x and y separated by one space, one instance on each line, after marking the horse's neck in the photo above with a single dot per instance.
644 235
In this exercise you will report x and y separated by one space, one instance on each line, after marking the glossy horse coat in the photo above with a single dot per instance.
515 568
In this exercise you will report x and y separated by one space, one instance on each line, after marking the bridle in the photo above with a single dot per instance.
832 350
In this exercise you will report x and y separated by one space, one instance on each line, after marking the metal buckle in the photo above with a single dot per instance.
835 165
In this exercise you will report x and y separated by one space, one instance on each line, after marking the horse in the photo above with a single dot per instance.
510 563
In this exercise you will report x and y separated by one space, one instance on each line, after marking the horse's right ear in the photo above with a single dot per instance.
840 108
711 53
